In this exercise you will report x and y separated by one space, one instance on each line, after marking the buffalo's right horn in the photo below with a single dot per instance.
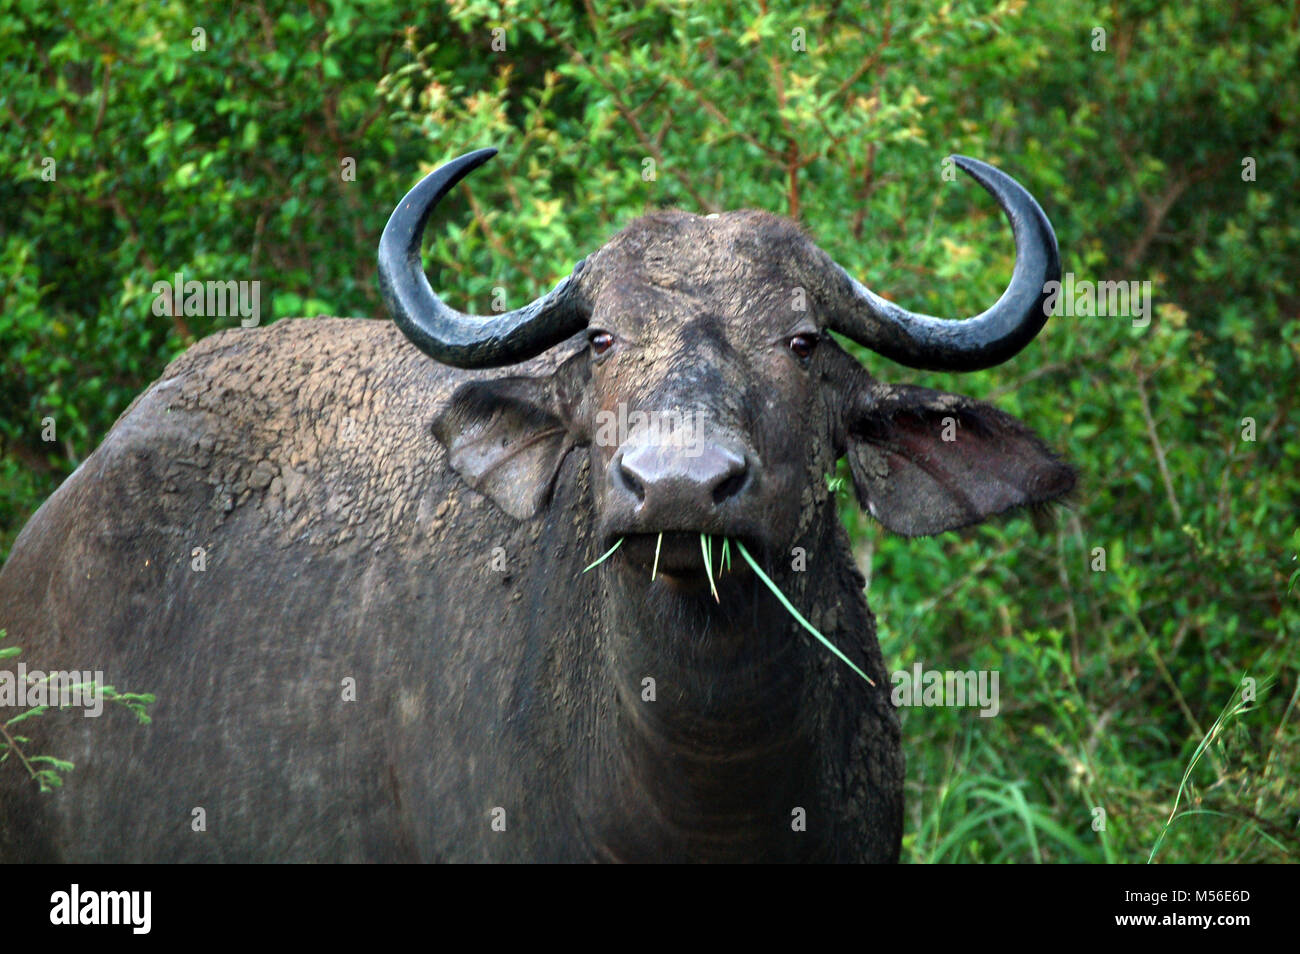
441 332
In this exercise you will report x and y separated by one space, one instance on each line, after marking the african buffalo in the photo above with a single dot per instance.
354 576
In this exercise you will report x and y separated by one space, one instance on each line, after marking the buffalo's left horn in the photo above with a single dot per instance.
442 332
933 344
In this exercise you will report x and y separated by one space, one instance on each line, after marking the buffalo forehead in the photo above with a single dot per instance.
673 266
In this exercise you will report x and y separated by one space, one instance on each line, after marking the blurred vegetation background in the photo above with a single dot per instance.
266 141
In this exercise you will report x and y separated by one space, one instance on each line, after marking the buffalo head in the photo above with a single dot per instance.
710 392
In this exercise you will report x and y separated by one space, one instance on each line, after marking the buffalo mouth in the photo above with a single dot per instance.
679 556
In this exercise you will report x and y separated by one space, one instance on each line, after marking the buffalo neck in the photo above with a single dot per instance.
711 733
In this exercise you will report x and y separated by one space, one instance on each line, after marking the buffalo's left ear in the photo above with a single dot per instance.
507 437
926 461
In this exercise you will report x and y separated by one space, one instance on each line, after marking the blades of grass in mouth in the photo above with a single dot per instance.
705 545
796 614
608 553
725 560
655 569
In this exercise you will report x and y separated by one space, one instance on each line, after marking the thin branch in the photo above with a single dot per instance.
17 750
1156 445
103 98
1064 575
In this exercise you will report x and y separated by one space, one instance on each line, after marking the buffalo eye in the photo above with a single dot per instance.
802 346
600 341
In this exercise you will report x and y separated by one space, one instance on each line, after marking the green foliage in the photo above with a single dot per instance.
225 164
47 771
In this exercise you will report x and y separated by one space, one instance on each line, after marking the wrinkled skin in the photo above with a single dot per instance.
368 514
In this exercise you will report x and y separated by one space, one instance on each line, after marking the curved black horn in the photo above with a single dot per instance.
933 344
442 332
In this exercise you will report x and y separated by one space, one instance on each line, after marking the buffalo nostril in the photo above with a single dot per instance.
730 486
630 482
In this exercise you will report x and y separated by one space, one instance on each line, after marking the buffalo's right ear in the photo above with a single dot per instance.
508 437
